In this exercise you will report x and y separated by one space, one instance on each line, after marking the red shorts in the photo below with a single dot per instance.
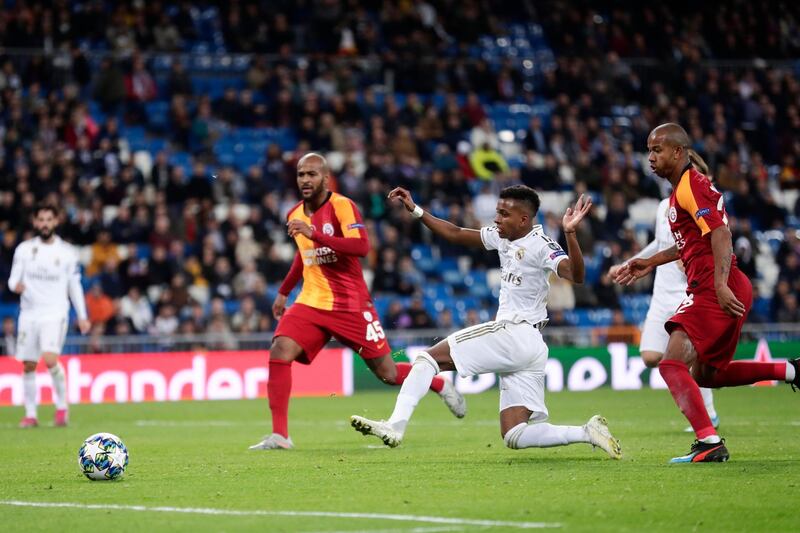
713 332
312 328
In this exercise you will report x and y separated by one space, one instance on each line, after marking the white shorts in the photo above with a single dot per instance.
36 335
516 352
654 336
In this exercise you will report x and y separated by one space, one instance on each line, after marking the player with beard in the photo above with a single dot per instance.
334 302
46 274
705 328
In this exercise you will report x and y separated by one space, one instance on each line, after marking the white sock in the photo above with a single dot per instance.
29 393
543 435
59 386
713 439
790 374
413 389
708 399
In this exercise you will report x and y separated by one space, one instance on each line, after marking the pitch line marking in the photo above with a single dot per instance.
319 514
412 530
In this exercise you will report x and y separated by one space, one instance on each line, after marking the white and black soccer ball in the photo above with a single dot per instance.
103 456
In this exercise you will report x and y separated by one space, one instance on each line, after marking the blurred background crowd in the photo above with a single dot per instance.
168 132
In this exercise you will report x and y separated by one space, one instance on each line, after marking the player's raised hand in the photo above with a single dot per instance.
729 303
574 215
19 288
399 193
631 271
296 226
278 306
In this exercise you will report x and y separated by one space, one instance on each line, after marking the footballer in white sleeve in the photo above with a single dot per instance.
525 266
511 345
46 274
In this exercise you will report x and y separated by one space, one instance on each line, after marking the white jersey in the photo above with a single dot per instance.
525 265
670 282
50 273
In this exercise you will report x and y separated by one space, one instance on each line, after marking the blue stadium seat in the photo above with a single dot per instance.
8 310
453 278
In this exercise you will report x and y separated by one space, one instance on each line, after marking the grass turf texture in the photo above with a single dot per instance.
195 455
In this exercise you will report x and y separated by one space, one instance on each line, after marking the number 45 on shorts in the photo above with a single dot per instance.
375 331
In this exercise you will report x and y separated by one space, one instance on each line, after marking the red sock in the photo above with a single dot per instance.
686 394
747 373
402 373
279 387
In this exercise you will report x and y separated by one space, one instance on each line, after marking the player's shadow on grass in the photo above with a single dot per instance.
551 460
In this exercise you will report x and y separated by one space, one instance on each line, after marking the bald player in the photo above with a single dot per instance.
705 329
334 301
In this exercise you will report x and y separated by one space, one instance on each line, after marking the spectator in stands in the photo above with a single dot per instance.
248 279
444 320
166 36
788 310
166 322
56 142
487 163
99 306
9 337
221 337
420 319
620 330
247 319
109 86
397 317
102 250
135 307
140 88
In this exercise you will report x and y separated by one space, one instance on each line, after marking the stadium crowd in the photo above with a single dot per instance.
181 232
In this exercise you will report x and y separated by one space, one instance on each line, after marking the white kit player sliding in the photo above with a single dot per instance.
45 272
669 290
512 344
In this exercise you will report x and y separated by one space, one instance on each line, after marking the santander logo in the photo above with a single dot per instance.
176 376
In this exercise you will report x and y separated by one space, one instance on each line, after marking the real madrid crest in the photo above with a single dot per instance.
520 254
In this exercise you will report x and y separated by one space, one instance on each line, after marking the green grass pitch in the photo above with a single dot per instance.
449 475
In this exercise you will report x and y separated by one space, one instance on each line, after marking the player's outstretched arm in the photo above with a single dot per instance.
647 251
638 268
573 268
441 228
722 247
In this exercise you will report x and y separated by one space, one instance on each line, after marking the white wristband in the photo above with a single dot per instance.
417 212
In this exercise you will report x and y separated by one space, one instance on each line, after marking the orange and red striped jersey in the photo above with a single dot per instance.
696 209
332 276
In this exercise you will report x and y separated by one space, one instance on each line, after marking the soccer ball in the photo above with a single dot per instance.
103 456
